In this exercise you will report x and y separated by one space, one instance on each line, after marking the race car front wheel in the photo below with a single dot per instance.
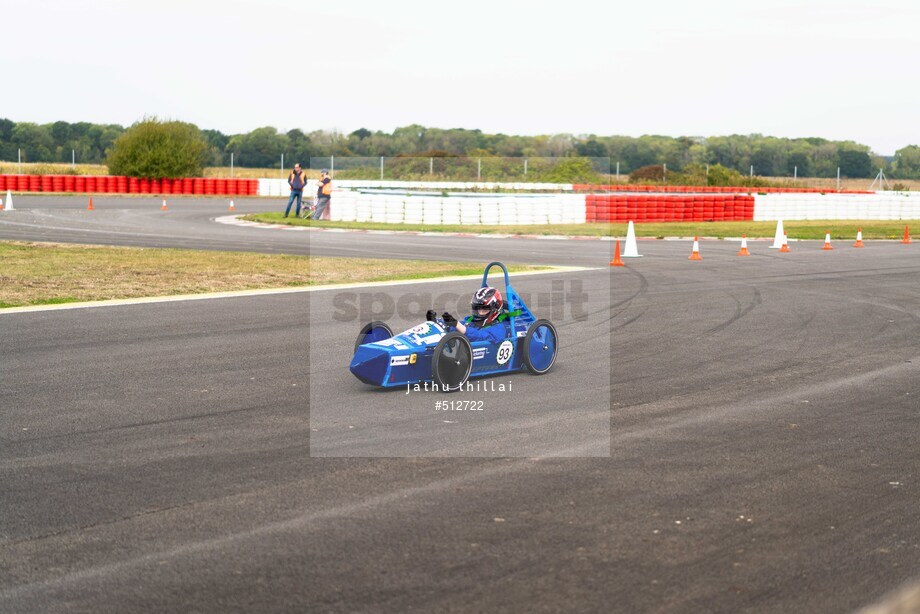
371 332
452 362
540 347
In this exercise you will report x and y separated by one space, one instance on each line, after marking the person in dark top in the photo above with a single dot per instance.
323 195
298 181
485 322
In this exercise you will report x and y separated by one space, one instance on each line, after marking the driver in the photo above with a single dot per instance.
485 322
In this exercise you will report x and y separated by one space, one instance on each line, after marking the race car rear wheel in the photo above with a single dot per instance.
371 332
452 362
540 347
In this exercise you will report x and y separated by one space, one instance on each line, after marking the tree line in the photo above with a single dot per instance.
262 148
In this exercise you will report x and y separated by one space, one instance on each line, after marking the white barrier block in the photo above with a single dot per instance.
488 212
450 211
431 211
469 211
507 212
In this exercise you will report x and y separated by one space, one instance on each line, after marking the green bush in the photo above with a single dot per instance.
154 149
570 170
645 174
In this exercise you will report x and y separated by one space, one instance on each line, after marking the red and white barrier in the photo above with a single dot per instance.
107 184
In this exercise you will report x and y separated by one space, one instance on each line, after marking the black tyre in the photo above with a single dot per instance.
541 343
452 362
371 332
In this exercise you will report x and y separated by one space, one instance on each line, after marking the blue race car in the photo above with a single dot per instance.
430 353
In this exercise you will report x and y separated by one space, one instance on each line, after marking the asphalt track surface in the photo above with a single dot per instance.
763 427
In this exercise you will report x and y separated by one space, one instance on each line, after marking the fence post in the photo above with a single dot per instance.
20 161
332 166
525 167
431 166
282 166
618 171
381 168
479 170
838 178
73 159
231 165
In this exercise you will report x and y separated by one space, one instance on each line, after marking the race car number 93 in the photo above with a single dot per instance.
505 350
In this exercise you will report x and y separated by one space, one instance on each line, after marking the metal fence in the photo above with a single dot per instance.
459 168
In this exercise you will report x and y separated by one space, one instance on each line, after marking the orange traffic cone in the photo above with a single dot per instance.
859 242
163 208
906 238
827 241
90 206
785 248
695 254
744 250
616 255
232 208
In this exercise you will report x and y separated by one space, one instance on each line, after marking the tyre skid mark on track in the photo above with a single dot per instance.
862 301
306 521
753 406
137 425
740 311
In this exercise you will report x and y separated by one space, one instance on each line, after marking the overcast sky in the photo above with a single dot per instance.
834 69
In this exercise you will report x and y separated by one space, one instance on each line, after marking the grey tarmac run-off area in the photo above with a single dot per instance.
764 420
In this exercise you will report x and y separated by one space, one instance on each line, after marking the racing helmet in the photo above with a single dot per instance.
486 298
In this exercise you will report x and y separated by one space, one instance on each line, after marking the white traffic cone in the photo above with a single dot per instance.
778 237
8 203
744 249
785 248
695 254
632 248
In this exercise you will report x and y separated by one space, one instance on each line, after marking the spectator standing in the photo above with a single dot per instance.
323 195
298 181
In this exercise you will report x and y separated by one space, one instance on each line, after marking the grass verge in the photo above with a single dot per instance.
812 229
52 273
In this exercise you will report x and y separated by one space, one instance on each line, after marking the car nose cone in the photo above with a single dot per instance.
370 364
